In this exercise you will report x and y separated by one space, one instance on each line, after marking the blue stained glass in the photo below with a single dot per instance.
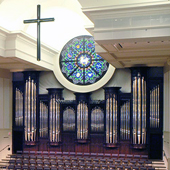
68 55
77 45
91 76
98 65
77 76
80 64
89 45
68 68
97 57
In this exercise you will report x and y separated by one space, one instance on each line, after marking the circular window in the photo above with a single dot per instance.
80 66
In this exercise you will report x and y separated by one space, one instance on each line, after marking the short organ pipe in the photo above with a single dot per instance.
154 106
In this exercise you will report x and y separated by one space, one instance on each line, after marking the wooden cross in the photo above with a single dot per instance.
38 21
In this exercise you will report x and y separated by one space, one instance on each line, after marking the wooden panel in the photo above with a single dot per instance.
82 147
155 151
68 142
17 141
124 147
111 150
55 148
96 144
31 147
43 145
139 151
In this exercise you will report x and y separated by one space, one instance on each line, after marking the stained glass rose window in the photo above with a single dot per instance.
79 62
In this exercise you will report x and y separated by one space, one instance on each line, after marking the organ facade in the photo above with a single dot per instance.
121 122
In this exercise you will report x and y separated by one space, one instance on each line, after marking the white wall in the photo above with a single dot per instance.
121 78
5 112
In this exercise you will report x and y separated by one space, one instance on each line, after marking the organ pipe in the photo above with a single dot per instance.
43 120
125 121
97 120
69 119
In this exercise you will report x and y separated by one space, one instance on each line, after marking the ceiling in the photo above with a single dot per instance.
131 34
68 14
17 65
133 54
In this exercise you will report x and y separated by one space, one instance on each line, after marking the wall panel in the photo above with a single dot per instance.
1 103
7 105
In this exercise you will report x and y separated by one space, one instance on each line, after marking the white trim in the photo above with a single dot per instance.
82 88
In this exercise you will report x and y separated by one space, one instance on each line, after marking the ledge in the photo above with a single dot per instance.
82 141
111 145
139 146
30 143
54 143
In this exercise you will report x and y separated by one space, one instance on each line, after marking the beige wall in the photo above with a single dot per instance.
121 78
166 128
5 112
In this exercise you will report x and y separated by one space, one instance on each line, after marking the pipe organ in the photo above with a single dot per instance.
54 115
43 130
69 119
18 107
82 120
111 97
97 120
139 109
30 109
119 119
154 107
125 121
